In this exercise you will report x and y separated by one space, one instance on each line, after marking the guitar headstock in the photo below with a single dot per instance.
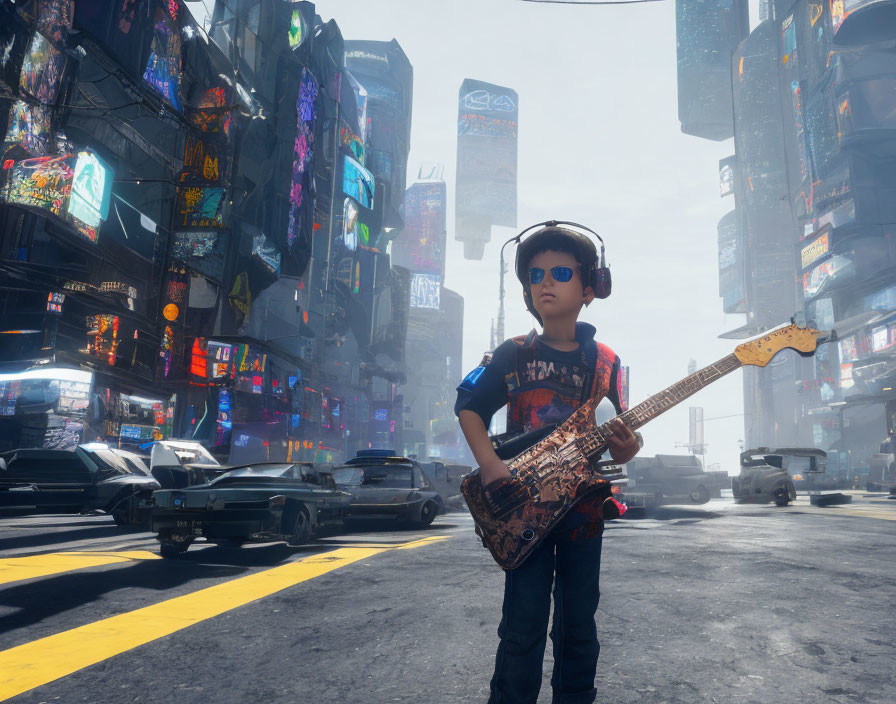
760 351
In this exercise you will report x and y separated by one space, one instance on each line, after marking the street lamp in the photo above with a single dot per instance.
499 336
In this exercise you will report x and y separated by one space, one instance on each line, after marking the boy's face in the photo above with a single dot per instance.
558 299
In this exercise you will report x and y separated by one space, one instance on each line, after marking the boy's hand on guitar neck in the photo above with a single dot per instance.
622 443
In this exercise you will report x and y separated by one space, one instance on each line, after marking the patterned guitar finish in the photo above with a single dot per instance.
552 476
558 471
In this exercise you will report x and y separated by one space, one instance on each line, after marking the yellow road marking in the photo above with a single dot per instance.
881 514
47 659
13 569
884 514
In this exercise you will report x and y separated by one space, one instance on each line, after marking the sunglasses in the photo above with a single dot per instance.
560 274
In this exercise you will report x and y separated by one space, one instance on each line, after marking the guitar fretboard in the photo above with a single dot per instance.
646 411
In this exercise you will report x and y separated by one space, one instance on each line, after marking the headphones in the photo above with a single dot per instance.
597 276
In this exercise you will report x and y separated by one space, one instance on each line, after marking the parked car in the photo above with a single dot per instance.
91 477
384 485
670 479
763 477
260 502
179 463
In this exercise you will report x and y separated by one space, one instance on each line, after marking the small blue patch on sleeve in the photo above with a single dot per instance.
470 380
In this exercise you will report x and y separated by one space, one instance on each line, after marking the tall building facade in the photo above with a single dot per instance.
812 232
191 244
435 325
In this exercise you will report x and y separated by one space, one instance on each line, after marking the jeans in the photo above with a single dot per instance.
574 570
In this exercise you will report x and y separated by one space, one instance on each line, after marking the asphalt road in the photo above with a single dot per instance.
716 603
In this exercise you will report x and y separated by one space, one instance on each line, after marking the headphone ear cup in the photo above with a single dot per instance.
603 282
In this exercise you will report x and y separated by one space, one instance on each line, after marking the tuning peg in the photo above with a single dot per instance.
798 319
829 336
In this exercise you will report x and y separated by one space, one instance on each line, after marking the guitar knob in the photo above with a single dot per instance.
528 534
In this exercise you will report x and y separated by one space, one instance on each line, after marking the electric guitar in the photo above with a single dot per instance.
561 469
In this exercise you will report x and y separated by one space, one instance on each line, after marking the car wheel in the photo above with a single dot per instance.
120 515
427 514
781 497
700 495
301 530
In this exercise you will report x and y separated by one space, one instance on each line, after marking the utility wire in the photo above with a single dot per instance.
588 2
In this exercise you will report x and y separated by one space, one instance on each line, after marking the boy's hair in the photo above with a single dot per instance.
556 242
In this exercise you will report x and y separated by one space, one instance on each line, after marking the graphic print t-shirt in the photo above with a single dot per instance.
542 386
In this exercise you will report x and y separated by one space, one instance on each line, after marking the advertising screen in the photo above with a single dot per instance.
726 176
350 226
815 250
201 207
423 238
42 69
49 183
43 183
425 289
91 189
202 250
163 69
357 182
840 268
28 128
265 252
303 161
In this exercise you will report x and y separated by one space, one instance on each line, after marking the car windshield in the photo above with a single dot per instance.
385 476
194 455
348 476
137 463
266 470
109 462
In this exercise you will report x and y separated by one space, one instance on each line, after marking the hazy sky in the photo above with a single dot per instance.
599 143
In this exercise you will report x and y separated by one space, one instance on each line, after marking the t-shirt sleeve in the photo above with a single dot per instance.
615 392
484 390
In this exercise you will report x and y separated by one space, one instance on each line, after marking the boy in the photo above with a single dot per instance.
544 379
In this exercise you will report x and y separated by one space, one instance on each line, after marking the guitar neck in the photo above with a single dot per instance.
595 441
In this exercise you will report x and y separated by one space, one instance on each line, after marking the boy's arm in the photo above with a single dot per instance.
482 392
491 467
622 443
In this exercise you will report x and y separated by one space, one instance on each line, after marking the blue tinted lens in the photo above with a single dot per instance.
561 273
536 275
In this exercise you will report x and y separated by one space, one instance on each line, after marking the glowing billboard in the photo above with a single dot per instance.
357 182
425 289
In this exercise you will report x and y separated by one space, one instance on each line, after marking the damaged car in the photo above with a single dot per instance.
764 477
179 463
262 502
386 486
89 478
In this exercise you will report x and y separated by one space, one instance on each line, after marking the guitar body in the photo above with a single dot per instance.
552 476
